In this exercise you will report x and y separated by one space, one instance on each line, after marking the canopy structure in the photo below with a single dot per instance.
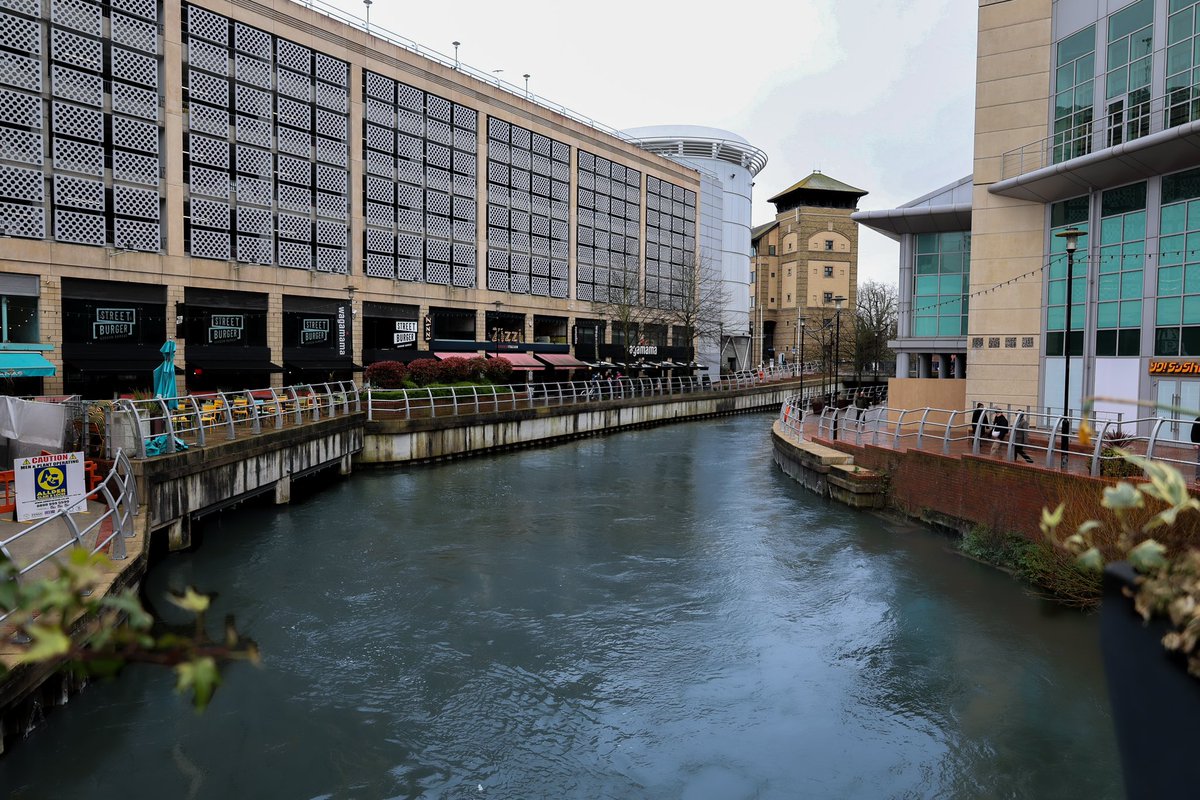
562 361
520 361
24 365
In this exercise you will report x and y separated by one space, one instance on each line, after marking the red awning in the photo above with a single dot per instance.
444 356
520 361
562 361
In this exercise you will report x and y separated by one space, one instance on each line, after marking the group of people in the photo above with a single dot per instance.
994 426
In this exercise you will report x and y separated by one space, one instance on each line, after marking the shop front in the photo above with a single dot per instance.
316 340
23 363
452 330
112 335
390 333
588 336
226 336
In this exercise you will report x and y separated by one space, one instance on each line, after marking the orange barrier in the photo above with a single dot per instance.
8 491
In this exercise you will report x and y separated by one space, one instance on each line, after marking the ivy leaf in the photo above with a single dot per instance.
1090 560
129 603
1051 520
1122 497
49 642
200 677
1148 556
191 600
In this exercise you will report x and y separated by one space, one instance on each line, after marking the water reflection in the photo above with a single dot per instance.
653 614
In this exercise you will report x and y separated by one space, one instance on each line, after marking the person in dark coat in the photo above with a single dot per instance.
977 419
999 431
1196 441
1020 436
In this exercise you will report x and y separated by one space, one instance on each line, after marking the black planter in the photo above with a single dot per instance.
1155 703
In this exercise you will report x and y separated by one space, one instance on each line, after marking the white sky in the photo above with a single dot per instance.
876 93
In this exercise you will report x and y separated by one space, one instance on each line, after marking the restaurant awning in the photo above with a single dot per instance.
24 365
233 365
444 356
562 360
521 361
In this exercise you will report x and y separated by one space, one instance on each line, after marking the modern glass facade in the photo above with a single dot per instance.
1177 312
1127 84
941 283
1074 89
1067 214
1121 260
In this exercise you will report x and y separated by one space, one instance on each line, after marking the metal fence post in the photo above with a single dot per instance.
949 429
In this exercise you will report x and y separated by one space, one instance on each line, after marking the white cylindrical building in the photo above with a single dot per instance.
727 164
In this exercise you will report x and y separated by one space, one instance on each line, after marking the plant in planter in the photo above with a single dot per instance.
1112 465
1150 644
387 374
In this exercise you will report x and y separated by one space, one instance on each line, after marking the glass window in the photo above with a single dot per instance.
1182 69
1075 67
940 285
1127 84
1063 215
21 319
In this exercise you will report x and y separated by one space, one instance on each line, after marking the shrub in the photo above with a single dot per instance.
479 368
497 370
1112 464
425 371
455 370
386 374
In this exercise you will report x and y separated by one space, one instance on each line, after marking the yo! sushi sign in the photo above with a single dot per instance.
49 484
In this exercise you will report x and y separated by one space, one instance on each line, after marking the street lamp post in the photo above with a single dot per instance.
1071 236
837 341
800 328
367 3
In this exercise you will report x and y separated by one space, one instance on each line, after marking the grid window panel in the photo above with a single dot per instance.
26 147
252 130
381 164
26 73
331 70
210 213
440 132
335 234
134 67
78 228
83 123
209 152
251 101
254 220
293 84
77 15
333 125
254 250
135 101
298 115
438 273
408 269
295 142
293 226
379 86
252 71
295 256
463 230
132 234
335 98
134 33
73 156
293 56
24 220
380 138
380 241
135 134
207 88
207 25
332 179
410 97
130 201
257 191
381 214
138 168
333 205
380 265
147 9
497 281
22 184
210 244
21 34
463 276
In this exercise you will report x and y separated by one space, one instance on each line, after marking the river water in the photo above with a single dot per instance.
654 614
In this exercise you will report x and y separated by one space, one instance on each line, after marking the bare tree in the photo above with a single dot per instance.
700 306
622 303
875 320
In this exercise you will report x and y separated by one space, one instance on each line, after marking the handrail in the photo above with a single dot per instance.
120 509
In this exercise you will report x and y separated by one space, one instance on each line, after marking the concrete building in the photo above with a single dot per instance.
803 260
1085 116
727 164
290 197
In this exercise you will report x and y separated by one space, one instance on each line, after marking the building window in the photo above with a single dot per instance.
829 244
1122 259
828 272
752 276
1127 84
789 298
1067 214
770 249
1074 85
940 284
827 297
1182 58
1177 311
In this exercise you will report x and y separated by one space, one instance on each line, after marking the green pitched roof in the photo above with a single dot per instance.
819 182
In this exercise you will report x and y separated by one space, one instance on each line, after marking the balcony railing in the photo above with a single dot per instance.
1121 122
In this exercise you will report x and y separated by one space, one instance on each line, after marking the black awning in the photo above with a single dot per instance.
122 367
233 365
324 365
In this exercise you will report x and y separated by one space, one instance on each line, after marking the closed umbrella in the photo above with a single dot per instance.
164 375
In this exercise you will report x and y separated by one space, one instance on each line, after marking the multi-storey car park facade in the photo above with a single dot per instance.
1086 116
289 198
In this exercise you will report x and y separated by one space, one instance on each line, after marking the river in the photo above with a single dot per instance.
653 614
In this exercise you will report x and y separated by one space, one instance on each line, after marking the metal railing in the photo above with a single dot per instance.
163 425
452 401
1117 125
1035 436
40 543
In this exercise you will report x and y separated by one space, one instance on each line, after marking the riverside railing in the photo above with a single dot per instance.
1038 436
452 401
150 427
40 543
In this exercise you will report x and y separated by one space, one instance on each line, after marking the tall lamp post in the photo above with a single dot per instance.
1071 236
800 328
837 341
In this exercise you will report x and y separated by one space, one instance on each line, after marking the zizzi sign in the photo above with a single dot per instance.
114 323
405 333
501 335
226 328
1175 367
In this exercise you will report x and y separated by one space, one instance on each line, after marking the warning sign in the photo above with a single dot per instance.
49 484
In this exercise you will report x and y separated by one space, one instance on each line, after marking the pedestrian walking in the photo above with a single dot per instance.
978 419
1020 436
1196 441
999 431
860 407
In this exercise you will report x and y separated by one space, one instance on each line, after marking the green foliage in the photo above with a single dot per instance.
386 374
62 619
1167 585
1036 563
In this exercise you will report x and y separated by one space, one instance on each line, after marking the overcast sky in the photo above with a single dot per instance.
876 93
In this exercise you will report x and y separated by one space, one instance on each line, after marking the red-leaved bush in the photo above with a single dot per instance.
479 367
425 371
497 370
386 374
455 370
